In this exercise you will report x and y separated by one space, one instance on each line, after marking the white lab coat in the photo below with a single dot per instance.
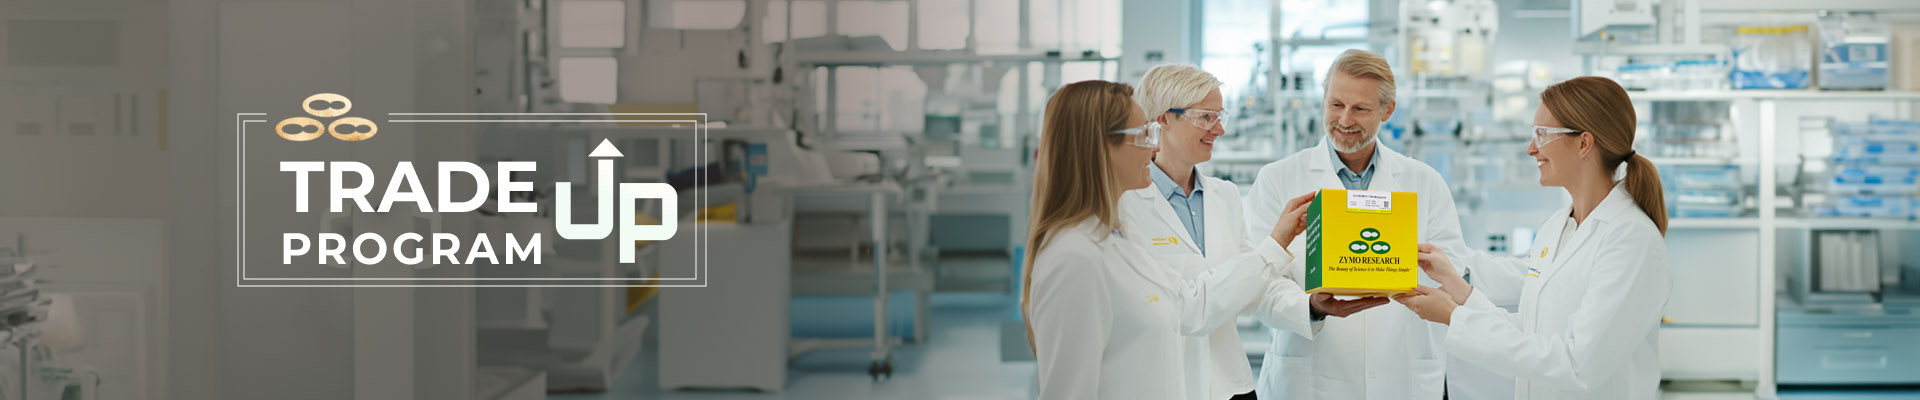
1110 321
1588 326
1386 352
1151 223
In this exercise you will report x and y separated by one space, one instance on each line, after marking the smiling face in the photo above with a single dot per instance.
1354 111
1560 158
1128 162
1186 142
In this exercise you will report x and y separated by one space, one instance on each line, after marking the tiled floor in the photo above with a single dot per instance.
962 362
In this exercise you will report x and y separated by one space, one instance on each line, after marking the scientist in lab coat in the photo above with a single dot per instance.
1107 320
1595 281
1191 221
1353 350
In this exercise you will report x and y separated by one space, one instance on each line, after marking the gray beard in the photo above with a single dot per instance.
1337 146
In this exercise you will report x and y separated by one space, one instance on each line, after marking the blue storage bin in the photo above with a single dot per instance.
1704 177
1869 207
1854 66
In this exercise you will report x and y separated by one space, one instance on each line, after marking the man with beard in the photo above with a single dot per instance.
1354 350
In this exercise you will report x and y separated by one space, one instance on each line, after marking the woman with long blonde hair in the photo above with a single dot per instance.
1105 319
1596 280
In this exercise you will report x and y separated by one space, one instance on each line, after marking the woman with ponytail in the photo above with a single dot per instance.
1596 279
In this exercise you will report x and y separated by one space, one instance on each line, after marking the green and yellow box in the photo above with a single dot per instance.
1363 243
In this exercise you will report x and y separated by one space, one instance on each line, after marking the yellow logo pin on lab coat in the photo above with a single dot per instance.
1543 251
1153 299
1165 241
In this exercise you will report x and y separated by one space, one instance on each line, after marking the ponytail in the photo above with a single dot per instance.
1643 183
1599 106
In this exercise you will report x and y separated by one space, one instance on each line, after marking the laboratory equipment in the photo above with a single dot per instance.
1693 129
1853 52
1703 191
1592 16
1771 57
1845 320
24 311
1700 75
733 338
1449 38
1875 170
1640 76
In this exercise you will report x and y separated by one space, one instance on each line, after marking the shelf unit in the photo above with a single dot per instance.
1796 94
1767 224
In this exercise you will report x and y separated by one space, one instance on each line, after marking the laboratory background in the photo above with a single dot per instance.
861 179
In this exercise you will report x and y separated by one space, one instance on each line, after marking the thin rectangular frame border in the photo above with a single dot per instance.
701 265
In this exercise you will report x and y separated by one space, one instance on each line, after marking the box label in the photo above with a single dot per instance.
1362 201
1363 246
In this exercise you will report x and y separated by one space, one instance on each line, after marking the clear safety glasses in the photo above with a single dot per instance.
1147 136
1203 119
1547 134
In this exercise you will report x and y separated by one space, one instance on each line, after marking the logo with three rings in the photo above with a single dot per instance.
1369 241
326 105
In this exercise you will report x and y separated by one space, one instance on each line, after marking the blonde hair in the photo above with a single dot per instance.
1071 180
1170 86
1600 107
1363 64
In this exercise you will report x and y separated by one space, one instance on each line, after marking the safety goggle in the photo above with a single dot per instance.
1147 136
1547 134
1203 119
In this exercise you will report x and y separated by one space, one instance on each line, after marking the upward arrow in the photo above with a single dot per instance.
605 149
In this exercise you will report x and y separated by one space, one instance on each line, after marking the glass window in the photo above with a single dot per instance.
887 19
1044 16
997 30
589 79
1229 34
593 24
1075 25
1092 25
1322 19
1319 59
773 27
1230 30
943 24
696 14
809 19
873 100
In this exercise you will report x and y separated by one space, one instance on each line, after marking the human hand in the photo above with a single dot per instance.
1429 303
1292 221
1440 268
1325 304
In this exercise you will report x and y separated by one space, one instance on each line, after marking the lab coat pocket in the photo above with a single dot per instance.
1289 344
1285 377
1430 376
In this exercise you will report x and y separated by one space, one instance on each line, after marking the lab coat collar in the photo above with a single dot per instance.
1386 164
1617 202
1156 197
1373 162
1167 187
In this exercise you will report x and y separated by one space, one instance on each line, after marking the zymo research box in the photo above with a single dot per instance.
1362 243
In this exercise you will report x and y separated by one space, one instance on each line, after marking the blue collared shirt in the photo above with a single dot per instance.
1190 207
1352 180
